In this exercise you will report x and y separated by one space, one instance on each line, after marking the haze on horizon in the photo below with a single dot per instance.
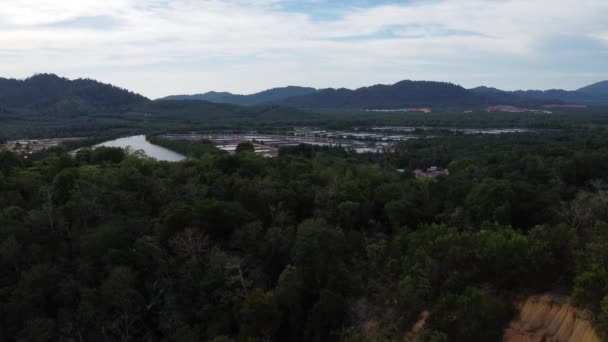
163 47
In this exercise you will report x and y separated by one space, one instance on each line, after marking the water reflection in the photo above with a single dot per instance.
139 142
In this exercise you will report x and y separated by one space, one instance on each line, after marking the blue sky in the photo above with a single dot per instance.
162 47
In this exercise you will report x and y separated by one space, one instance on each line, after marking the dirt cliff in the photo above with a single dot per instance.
550 318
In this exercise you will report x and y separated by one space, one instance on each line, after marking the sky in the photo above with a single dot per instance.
164 47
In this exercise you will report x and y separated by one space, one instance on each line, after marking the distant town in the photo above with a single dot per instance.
26 147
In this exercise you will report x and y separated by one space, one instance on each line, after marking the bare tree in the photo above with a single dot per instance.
124 325
48 207
587 207
190 243
235 266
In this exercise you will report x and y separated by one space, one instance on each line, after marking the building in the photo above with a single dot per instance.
431 172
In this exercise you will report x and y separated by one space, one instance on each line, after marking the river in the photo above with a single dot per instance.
139 143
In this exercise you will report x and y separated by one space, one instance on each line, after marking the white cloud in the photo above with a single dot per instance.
248 45
603 36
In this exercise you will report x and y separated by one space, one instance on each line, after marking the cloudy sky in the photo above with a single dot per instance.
162 47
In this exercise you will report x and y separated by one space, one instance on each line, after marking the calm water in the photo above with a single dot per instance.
139 142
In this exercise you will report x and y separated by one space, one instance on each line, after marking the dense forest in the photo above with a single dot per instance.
319 244
176 116
149 117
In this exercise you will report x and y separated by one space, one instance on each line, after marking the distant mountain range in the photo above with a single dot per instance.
267 96
408 94
595 94
47 105
404 93
50 96
53 94
398 95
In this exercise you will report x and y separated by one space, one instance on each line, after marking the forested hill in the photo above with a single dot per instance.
599 88
594 94
194 112
266 96
408 94
51 93
398 95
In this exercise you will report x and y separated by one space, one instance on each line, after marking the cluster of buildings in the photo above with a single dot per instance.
26 147
263 150
513 109
402 110
570 106
269 144
228 141
431 172
358 135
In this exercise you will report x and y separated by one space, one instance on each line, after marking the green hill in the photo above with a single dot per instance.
53 94
599 88
264 97
595 94
398 95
